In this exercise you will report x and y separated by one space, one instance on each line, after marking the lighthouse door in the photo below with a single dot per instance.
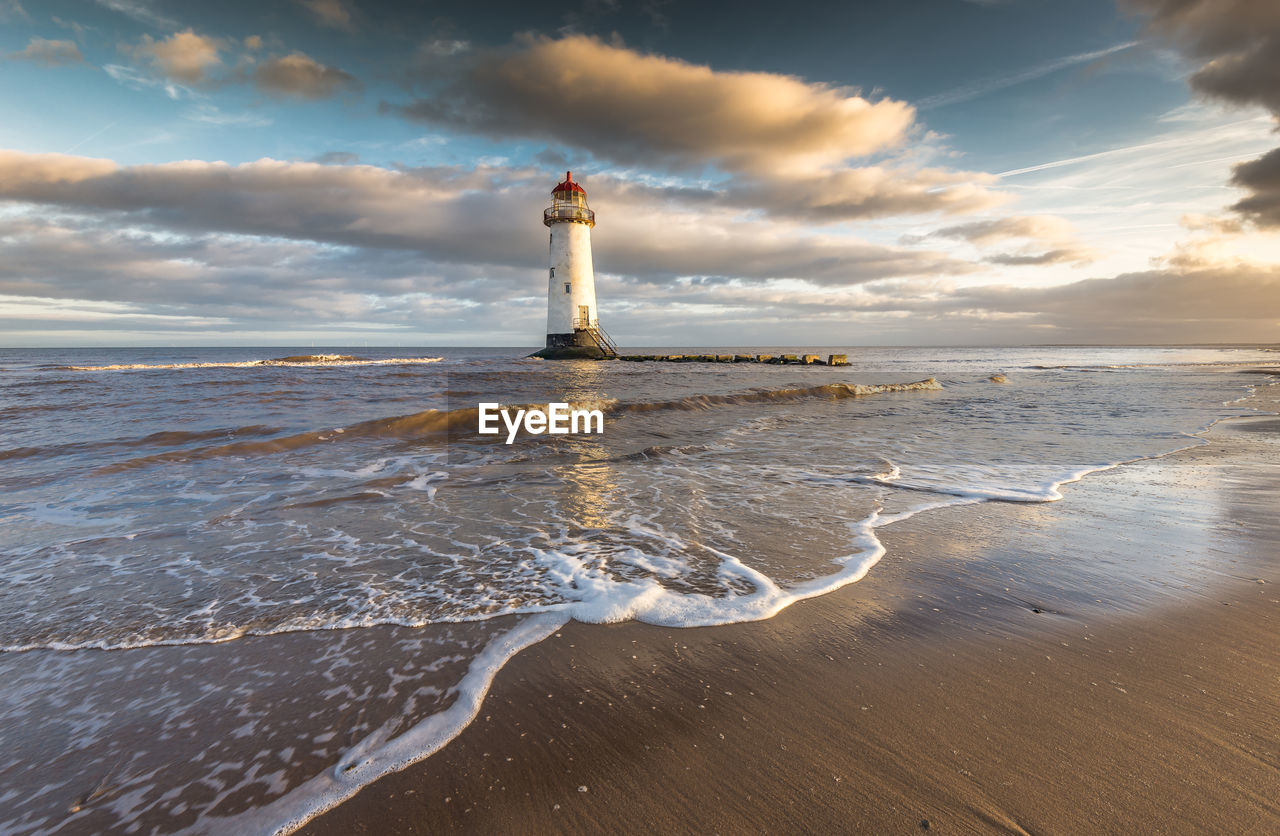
584 316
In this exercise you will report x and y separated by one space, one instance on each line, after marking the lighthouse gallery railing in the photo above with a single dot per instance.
569 213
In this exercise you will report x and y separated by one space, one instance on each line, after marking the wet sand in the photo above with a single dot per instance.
1108 662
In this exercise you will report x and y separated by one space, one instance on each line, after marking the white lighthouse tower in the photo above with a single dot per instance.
573 328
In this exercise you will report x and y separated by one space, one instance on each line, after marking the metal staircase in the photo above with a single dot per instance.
598 336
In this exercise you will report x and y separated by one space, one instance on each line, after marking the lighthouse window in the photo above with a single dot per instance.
566 287
553 272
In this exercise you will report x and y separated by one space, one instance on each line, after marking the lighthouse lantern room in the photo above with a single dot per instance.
573 328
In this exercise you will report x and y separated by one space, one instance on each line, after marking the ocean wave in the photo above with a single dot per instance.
830 391
416 425
168 438
436 422
301 360
1205 364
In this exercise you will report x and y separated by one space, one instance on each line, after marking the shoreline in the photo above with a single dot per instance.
979 680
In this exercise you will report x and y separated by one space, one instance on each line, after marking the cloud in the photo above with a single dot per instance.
188 58
486 219
1238 42
637 107
141 11
867 192
136 80
1059 256
183 56
333 13
40 171
301 76
1038 227
12 10
991 84
1035 231
1231 301
1176 140
1183 305
786 142
82 273
49 53
264 246
552 158
658 253
212 115
1262 177
848 194
1207 223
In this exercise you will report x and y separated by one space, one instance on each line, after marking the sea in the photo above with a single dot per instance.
239 584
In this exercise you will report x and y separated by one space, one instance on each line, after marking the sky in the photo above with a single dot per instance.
914 172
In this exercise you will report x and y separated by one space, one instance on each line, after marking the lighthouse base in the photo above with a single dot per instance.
573 352
578 345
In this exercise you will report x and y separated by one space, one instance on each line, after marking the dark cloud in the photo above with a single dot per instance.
551 158
336 14
1239 43
49 53
1262 177
1238 40
301 76
1229 302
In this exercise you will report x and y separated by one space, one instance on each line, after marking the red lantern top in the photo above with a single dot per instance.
568 185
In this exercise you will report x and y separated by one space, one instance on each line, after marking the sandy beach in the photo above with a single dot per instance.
1107 662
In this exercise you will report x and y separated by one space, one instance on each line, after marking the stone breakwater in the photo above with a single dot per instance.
775 359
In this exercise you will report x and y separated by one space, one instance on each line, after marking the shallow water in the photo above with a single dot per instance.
179 528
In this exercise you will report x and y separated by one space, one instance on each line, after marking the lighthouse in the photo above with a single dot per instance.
573 326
